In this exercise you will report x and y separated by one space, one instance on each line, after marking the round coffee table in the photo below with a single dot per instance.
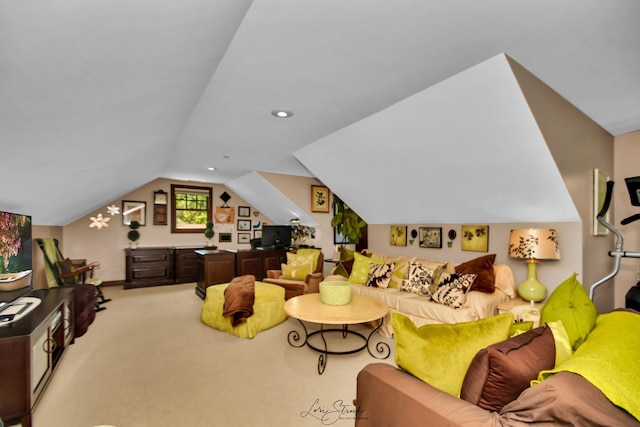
361 309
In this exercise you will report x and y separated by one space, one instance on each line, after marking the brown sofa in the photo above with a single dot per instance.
387 396
588 388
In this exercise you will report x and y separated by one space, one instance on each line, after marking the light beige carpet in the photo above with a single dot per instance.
148 361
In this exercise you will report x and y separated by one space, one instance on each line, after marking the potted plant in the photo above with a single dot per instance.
347 222
209 233
133 235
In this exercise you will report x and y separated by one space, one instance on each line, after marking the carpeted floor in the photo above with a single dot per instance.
148 361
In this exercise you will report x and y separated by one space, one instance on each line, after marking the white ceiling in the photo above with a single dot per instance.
98 98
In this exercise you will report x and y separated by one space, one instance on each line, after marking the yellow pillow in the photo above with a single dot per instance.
400 272
563 343
296 260
360 269
295 273
441 354
315 255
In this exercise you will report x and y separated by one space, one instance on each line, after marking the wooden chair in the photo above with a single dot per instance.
62 271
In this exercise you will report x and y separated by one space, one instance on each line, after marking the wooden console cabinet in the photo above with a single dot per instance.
30 349
218 267
148 267
155 266
186 264
215 267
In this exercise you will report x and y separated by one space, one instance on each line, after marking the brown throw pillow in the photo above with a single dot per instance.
483 268
499 373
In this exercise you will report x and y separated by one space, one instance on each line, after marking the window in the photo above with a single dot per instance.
191 207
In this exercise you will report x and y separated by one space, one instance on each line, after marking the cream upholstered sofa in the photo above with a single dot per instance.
499 287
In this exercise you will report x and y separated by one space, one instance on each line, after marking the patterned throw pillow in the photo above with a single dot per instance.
380 275
296 260
452 289
400 272
420 279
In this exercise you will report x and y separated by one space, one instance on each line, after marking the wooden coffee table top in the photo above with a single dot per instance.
310 309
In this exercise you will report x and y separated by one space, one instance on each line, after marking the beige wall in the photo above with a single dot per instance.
107 245
626 156
551 273
578 146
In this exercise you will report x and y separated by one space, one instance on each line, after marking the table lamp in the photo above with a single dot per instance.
533 244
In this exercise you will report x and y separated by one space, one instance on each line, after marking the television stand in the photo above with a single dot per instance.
18 309
30 350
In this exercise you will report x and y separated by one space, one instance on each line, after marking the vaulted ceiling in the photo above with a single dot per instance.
98 98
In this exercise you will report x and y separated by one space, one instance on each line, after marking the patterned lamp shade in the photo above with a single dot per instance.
533 244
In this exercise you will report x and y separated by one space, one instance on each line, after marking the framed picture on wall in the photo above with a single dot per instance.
244 211
475 238
430 237
134 211
320 199
600 179
244 224
224 237
244 237
398 235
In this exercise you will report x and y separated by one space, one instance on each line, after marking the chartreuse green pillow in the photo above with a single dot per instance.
570 303
315 255
441 354
360 269
609 359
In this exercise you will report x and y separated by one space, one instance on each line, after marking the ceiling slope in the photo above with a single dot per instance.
266 198
93 95
456 152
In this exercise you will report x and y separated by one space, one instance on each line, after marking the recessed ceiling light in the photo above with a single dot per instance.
281 114
211 168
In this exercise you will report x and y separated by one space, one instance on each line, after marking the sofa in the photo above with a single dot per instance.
492 284
585 374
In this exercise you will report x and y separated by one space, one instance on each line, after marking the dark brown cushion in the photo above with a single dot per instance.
483 267
499 373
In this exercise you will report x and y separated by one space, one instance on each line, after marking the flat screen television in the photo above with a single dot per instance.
16 261
278 236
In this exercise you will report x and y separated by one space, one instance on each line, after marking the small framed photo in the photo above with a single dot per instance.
244 224
244 211
224 237
398 235
475 238
257 234
134 211
430 237
244 237
320 199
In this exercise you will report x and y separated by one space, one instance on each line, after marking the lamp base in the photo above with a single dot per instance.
532 289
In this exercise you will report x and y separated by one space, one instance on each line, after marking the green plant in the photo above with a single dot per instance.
133 234
208 230
347 222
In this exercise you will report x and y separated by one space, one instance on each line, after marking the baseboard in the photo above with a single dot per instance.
113 283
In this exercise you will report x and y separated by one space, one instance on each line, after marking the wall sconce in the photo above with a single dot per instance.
533 244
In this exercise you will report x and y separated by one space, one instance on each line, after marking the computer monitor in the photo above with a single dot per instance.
278 236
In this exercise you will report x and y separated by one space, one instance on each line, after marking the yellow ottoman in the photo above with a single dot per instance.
268 310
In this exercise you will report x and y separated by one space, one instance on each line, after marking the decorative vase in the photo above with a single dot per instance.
531 289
